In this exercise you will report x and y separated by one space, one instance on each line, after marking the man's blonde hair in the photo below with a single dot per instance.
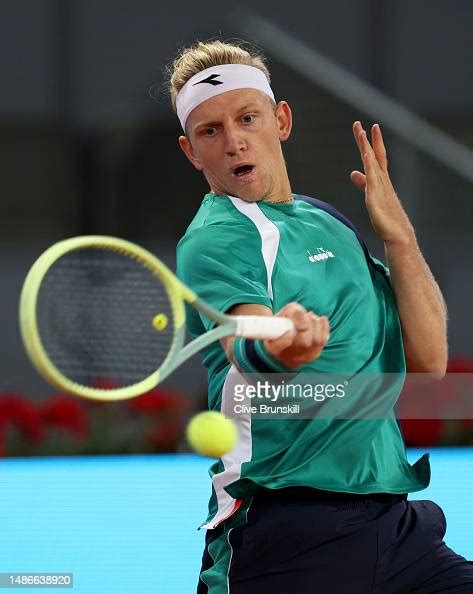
205 54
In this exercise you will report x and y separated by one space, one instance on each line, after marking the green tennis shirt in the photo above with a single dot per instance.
272 254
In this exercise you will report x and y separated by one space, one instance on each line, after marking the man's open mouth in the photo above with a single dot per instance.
243 170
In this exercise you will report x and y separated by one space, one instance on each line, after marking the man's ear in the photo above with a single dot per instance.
189 152
284 120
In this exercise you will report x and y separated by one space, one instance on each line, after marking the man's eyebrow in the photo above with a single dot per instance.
208 124
248 106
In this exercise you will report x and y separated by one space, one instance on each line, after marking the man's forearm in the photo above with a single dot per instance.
421 306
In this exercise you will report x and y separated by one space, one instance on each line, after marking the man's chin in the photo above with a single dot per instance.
250 198
249 195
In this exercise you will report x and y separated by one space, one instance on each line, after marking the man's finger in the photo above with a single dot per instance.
297 313
301 319
357 129
278 345
378 147
370 169
359 179
321 331
365 144
326 330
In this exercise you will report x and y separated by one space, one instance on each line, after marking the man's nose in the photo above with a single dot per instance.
234 140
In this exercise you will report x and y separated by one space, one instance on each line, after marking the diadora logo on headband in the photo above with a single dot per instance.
210 80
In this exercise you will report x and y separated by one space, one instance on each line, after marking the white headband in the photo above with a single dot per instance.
216 80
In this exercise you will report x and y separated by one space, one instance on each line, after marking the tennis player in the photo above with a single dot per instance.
305 505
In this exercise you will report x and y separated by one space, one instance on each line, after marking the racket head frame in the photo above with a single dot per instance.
176 291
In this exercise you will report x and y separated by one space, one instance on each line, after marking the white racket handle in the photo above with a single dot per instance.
261 327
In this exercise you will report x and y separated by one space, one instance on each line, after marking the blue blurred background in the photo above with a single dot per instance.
129 524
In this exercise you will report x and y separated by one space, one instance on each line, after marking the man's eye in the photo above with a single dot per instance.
248 118
209 131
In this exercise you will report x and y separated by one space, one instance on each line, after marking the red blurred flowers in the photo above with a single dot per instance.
169 411
64 412
62 424
17 412
438 412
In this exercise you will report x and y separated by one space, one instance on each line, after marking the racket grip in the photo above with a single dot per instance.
262 327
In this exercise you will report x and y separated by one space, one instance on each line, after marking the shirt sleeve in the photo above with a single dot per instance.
224 266
381 265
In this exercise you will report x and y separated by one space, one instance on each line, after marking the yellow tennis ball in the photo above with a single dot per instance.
212 434
160 321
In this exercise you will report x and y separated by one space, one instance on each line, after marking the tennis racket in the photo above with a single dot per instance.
104 318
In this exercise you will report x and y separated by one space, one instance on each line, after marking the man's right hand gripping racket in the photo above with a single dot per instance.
98 307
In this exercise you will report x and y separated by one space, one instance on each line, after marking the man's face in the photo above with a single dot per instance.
235 140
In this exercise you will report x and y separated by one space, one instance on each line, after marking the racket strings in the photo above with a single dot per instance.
95 314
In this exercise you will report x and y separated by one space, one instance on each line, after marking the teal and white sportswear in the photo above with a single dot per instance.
238 252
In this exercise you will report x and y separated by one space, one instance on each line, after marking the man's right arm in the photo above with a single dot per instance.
294 348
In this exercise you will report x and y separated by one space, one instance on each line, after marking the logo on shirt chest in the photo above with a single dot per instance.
320 255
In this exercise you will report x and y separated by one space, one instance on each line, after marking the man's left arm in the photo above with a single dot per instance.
422 309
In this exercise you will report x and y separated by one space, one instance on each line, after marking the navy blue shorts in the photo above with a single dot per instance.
292 543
